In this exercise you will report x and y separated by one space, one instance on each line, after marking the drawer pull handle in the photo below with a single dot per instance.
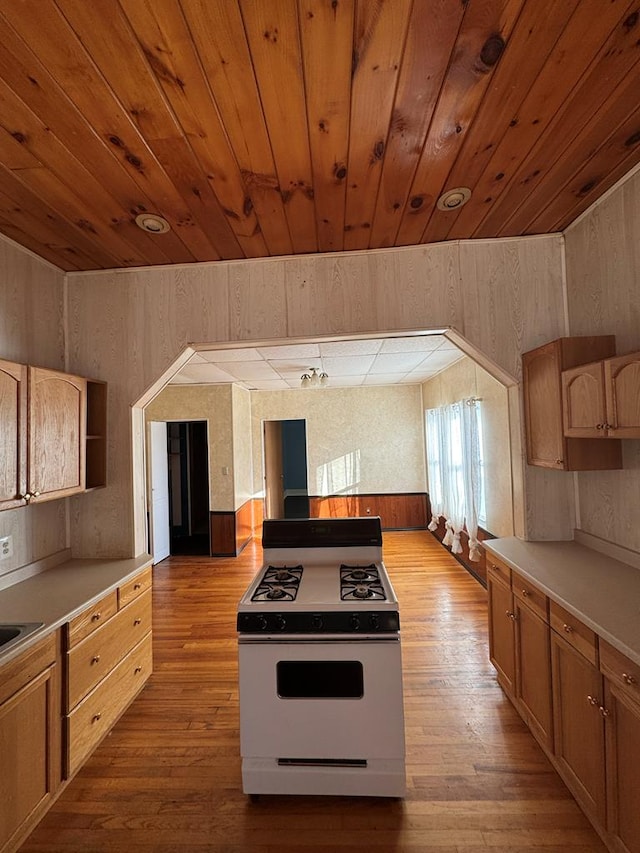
604 712
96 718
137 670
137 621
137 586
95 659
567 628
526 593
593 701
628 679
95 617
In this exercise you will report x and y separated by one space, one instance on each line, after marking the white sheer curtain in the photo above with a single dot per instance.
454 470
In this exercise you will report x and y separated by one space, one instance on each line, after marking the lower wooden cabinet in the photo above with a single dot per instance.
579 718
501 629
623 768
533 671
30 743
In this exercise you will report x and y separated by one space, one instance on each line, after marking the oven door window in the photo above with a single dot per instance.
324 679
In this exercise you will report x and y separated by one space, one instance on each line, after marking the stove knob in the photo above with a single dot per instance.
316 622
355 622
262 623
374 621
281 622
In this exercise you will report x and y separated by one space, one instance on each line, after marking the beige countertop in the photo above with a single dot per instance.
600 591
58 594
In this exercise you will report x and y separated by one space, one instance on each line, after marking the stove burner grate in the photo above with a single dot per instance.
360 583
278 583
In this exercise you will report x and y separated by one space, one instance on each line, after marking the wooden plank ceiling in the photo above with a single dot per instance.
278 127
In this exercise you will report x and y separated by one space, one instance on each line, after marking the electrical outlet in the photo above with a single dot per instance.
6 547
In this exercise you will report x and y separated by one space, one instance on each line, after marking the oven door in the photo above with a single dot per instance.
324 699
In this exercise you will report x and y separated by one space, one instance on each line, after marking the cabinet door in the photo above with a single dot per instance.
57 431
29 746
13 434
501 631
623 767
583 401
622 386
543 406
579 724
533 671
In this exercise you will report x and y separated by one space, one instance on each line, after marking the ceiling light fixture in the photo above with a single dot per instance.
453 199
314 379
152 223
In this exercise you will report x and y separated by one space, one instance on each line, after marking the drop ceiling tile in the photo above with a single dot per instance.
384 379
352 381
397 362
231 355
269 385
251 370
290 368
290 351
330 349
421 343
348 365
203 373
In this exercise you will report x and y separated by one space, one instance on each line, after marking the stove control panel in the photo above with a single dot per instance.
297 622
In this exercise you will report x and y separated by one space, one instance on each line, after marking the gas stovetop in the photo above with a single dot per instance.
320 588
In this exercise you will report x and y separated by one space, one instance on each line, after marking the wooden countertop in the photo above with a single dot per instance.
58 594
600 591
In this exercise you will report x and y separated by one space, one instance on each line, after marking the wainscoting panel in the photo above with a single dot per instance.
397 512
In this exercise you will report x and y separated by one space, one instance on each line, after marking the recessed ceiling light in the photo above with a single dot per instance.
152 223
453 199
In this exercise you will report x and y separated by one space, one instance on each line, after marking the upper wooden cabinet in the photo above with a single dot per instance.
547 445
13 433
52 434
602 399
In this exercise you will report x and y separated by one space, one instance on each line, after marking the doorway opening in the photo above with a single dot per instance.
285 469
188 470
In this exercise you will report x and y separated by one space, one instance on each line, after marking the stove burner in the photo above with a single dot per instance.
276 592
278 583
363 591
358 583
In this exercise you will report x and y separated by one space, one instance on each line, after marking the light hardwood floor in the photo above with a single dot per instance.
167 779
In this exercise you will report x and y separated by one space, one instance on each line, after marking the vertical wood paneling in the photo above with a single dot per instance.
257 301
326 31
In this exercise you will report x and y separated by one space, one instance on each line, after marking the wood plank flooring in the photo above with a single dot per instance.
167 779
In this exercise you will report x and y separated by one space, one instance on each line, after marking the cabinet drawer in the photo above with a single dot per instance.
88 662
498 568
91 619
530 595
583 639
95 716
134 587
20 670
619 669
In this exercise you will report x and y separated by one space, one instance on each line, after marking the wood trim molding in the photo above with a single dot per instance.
400 511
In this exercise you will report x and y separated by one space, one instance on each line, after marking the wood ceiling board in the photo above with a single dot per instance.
272 35
380 31
327 31
187 110
92 128
166 41
573 55
218 32
578 129
533 38
430 40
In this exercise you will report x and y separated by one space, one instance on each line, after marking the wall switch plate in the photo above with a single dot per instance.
6 547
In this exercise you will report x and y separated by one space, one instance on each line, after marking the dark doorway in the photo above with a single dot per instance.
285 450
188 448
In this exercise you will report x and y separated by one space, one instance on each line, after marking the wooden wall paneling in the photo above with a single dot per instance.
418 286
539 23
243 526
223 534
167 44
433 28
273 37
396 511
478 568
220 39
328 31
542 108
118 151
376 63
257 516
257 300
485 28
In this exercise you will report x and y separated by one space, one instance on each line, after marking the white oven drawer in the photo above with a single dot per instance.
321 700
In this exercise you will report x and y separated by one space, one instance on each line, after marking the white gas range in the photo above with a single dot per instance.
320 668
